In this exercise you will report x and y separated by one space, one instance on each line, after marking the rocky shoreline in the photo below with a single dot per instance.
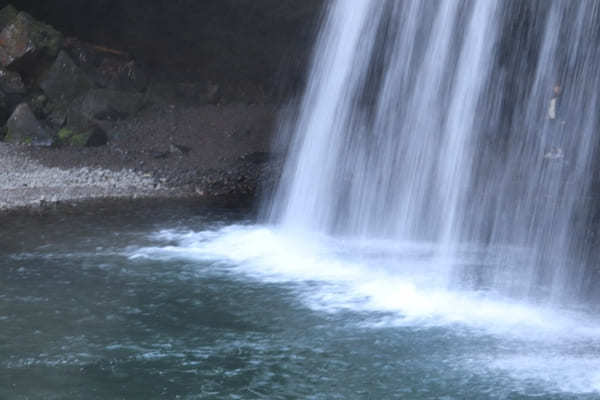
84 122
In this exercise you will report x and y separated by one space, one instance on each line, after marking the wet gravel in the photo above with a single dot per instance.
208 151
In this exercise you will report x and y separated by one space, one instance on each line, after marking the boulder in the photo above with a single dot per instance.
99 106
121 74
91 137
7 15
12 92
11 82
64 80
24 128
25 36
4 108
108 68
38 102
108 104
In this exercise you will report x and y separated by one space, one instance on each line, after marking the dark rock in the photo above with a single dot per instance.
110 104
9 99
159 154
24 128
57 117
99 107
92 137
11 82
115 73
108 68
7 14
64 80
4 108
25 36
38 103
179 149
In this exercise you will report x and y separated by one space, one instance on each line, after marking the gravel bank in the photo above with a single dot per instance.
26 183
214 153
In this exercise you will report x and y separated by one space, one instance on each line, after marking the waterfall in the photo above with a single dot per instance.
469 125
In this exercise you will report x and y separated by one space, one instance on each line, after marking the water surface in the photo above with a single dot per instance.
194 303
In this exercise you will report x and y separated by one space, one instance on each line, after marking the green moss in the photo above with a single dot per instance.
68 137
64 134
80 139
12 138
44 36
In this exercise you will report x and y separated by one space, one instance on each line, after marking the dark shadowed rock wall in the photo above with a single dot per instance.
258 43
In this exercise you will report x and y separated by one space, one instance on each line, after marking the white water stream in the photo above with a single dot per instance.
438 177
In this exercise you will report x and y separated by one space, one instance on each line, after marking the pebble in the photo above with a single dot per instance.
25 182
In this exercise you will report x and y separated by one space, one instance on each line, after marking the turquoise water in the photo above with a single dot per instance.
193 303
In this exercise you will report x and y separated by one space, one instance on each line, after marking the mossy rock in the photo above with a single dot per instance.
89 138
109 104
64 80
24 128
7 15
24 35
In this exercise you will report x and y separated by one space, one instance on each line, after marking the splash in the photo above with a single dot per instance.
457 123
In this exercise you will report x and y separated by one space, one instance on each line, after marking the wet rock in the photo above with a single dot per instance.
24 36
108 68
179 149
11 82
4 109
92 137
38 103
57 117
114 73
64 80
7 14
159 154
110 104
12 92
24 128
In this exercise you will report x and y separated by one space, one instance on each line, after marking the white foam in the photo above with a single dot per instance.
398 279
399 284
555 372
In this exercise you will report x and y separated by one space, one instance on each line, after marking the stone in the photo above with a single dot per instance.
4 108
37 102
179 149
100 106
11 82
110 104
64 80
108 68
7 15
92 137
25 36
57 117
24 128
121 74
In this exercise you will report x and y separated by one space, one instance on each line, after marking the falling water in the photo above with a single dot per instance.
469 126
433 234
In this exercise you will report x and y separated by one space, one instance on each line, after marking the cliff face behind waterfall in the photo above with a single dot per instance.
236 40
